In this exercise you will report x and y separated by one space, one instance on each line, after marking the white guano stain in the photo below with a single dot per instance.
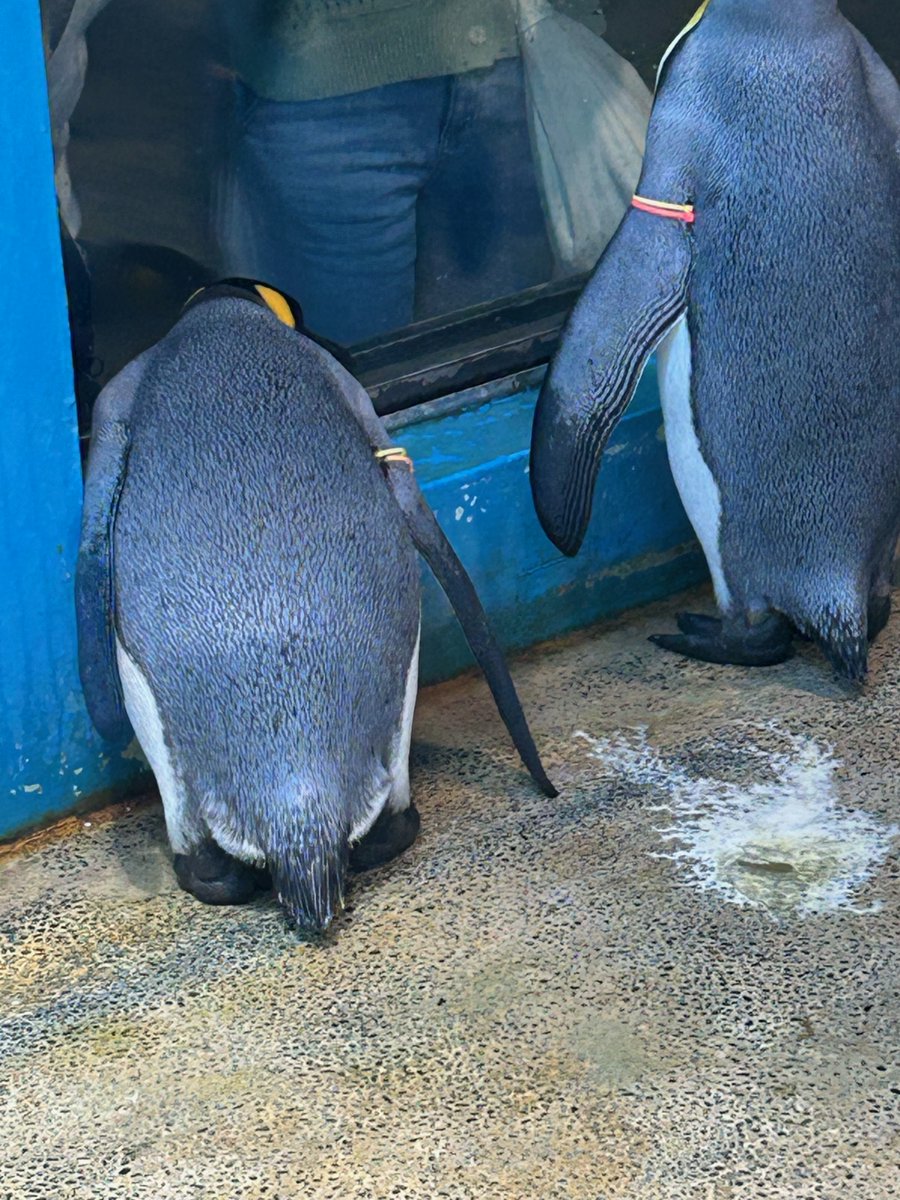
783 843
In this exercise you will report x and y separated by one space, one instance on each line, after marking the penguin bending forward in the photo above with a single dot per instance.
248 596
762 258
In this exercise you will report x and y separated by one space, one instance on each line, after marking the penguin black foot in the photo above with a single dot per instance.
878 616
738 643
391 834
214 877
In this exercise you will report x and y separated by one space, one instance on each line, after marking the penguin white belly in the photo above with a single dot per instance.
143 712
698 489
395 794
399 798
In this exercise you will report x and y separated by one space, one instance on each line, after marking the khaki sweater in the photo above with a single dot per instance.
312 49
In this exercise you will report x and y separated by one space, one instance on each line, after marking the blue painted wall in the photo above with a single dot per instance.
48 755
474 470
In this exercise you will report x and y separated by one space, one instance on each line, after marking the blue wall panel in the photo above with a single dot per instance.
48 755
474 470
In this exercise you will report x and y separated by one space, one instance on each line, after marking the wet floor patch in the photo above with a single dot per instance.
779 838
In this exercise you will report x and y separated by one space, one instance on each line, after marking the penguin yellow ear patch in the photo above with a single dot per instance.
278 305
692 24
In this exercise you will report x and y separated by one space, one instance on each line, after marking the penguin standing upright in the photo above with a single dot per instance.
762 256
248 594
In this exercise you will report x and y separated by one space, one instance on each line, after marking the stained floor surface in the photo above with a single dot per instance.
538 1001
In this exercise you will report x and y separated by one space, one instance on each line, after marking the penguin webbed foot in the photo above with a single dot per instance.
214 877
732 642
392 833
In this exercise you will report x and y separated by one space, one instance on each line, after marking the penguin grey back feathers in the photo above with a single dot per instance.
281 593
248 590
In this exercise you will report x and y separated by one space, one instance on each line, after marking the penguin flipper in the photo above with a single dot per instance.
94 582
637 293
883 87
431 542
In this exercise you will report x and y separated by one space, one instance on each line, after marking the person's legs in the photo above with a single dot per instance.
482 233
321 201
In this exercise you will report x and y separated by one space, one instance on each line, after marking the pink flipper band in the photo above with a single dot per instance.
661 208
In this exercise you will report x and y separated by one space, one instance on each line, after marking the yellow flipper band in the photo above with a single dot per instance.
664 208
394 454
692 24
277 303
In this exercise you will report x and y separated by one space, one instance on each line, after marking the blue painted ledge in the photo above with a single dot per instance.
473 466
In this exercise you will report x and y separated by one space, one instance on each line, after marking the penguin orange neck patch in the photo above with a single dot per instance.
662 208
277 304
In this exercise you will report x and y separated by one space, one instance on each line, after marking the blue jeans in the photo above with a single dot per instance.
386 206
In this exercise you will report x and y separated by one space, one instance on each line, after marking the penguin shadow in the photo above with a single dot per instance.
809 673
479 774
140 863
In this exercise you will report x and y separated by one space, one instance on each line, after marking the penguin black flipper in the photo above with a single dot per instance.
636 295
94 591
94 594
431 542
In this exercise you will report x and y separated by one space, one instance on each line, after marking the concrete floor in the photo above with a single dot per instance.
532 1003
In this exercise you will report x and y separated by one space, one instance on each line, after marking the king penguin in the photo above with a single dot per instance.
248 603
762 257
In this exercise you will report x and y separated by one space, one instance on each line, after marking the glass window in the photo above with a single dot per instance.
430 179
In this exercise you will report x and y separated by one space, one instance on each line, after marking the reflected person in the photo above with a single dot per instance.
381 168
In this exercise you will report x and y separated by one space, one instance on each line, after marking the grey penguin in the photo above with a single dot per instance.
761 256
247 597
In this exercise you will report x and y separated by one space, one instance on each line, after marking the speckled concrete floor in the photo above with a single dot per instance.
531 1004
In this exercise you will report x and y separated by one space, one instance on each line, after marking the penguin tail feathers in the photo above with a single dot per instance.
841 632
307 859
847 653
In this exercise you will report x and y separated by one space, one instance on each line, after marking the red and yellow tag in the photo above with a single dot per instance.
662 208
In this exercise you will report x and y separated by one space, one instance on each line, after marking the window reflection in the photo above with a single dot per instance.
384 161
390 204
